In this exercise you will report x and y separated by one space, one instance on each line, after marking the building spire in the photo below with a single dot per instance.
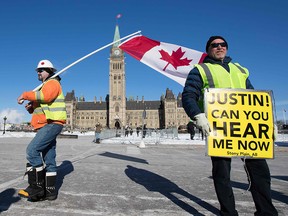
116 36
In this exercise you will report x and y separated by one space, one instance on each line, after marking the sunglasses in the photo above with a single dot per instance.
40 70
215 45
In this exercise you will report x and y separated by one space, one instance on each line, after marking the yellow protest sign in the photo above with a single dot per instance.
241 122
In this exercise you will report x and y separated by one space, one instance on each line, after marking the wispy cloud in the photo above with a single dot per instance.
13 115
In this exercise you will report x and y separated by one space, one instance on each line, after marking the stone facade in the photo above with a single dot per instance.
116 111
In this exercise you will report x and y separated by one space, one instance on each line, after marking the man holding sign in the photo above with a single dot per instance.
217 71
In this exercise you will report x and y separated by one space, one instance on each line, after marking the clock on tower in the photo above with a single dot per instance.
116 52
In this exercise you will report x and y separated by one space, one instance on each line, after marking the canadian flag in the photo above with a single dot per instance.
171 60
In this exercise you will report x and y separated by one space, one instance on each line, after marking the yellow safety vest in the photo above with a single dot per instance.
55 110
215 76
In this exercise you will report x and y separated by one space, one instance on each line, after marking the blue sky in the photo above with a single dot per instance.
65 30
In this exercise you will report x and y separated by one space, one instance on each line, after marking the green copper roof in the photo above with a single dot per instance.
116 36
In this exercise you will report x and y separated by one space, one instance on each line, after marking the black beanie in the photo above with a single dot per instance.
213 38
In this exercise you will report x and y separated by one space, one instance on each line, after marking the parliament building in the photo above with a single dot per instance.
115 111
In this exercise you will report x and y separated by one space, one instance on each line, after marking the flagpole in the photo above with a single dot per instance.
84 57
284 111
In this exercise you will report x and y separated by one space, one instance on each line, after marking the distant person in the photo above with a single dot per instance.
48 111
126 130
144 131
131 131
98 129
218 71
138 130
191 129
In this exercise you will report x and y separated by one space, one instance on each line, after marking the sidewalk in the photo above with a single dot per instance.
122 179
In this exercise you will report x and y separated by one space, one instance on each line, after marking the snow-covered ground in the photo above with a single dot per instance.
154 138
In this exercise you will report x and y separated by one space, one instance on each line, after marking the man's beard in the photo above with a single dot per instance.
40 78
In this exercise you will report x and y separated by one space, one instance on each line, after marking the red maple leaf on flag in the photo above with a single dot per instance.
175 58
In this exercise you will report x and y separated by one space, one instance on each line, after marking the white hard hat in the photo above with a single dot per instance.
46 64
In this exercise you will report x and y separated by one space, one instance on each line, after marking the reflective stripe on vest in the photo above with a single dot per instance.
37 111
215 76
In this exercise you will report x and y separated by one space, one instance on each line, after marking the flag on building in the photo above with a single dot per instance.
171 60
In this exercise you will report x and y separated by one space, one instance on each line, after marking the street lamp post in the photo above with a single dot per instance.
5 118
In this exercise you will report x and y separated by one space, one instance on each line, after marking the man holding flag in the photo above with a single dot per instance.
48 111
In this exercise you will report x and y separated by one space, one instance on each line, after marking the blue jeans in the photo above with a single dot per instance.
44 143
97 135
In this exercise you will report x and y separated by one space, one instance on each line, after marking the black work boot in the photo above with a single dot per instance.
29 171
51 192
35 190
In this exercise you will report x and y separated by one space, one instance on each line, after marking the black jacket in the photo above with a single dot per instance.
194 85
